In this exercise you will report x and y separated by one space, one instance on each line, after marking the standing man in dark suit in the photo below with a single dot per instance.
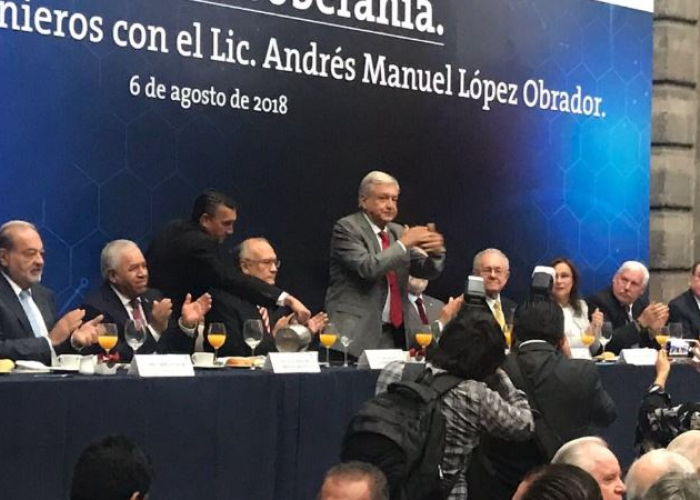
371 258
28 326
685 308
187 256
420 309
631 315
257 258
124 294
567 393
493 266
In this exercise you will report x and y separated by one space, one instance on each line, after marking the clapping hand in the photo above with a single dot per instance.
162 309
65 326
193 312
87 333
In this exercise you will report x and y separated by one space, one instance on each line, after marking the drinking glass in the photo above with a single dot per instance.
605 334
216 337
252 334
107 336
135 331
424 337
675 330
328 336
588 337
345 341
662 336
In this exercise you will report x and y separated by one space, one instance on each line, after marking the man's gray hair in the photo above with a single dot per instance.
633 265
477 258
8 228
109 258
675 486
375 177
576 452
650 467
688 445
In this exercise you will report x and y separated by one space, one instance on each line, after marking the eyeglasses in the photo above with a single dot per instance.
486 271
266 262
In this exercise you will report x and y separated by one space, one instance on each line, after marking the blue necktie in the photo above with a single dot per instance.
25 298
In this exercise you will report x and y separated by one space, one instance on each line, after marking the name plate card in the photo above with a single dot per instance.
161 365
639 357
377 359
580 353
292 362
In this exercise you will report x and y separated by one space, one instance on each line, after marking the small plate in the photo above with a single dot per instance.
208 367
63 369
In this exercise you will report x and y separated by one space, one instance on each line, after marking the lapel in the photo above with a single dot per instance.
113 306
693 306
12 302
368 234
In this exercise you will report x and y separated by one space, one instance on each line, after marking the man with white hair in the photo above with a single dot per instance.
125 295
592 454
650 467
493 266
631 315
370 260
28 326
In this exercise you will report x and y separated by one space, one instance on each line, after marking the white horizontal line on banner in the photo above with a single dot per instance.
313 21
645 5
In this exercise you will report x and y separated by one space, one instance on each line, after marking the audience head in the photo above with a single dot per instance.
492 265
378 197
258 259
563 482
112 469
695 279
675 486
593 455
123 265
417 286
648 468
629 282
472 345
527 480
21 253
539 320
687 444
354 481
566 282
215 213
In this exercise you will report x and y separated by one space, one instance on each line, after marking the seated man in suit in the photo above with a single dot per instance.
420 309
256 258
631 315
685 308
371 258
493 266
124 295
28 326
188 256
567 393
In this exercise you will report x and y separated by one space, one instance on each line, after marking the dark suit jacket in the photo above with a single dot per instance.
358 287
625 333
184 259
232 311
570 395
17 341
684 310
105 301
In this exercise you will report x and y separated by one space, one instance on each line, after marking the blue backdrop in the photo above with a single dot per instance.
88 156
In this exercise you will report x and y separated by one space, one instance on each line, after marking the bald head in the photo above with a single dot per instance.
592 454
258 259
687 444
650 467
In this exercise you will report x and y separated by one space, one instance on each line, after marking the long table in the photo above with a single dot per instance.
226 434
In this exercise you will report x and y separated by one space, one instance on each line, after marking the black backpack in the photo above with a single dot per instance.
402 431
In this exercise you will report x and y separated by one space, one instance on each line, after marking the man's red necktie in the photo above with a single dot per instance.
395 306
421 311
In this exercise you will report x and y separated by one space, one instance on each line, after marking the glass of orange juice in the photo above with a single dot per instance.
327 337
107 336
424 338
216 337
662 336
